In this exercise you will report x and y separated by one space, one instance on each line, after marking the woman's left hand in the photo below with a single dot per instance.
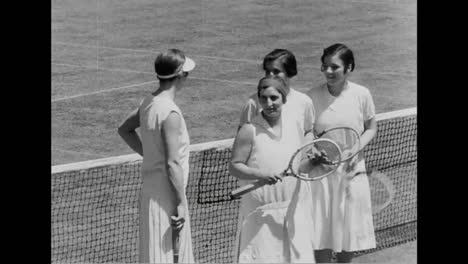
349 165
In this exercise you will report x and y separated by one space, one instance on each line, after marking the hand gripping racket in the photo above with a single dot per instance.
304 164
347 139
176 244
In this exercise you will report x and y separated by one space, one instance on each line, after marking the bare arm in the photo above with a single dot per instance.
248 112
309 136
370 131
127 131
370 125
170 133
240 155
309 121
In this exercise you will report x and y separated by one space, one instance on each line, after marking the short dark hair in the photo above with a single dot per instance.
344 53
168 62
287 59
272 81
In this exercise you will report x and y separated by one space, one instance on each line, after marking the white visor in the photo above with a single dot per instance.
188 65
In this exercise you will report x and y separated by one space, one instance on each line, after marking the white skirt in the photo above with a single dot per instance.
276 232
342 213
156 205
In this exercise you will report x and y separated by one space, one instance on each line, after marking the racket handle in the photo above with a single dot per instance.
176 244
247 188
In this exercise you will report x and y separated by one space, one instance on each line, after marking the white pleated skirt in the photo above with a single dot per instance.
156 205
342 213
276 232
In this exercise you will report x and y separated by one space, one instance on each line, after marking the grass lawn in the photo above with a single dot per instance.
402 254
103 53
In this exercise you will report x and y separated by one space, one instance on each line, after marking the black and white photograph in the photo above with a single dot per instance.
218 131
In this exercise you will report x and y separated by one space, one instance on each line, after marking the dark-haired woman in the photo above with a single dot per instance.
342 207
282 63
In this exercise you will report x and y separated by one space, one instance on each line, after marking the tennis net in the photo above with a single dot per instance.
94 204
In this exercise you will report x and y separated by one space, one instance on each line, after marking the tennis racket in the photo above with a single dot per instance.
176 244
305 164
381 187
382 190
347 139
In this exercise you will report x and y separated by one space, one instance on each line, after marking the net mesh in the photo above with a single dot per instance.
94 214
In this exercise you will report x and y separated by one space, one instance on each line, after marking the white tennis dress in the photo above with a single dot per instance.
157 198
342 208
272 219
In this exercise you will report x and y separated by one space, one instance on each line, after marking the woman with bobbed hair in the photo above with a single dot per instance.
342 207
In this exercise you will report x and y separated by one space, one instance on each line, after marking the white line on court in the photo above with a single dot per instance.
409 74
228 59
220 80
152 52
101 68
120 88
192 77
75 152
152 73
102 91
221 58
101 47
367 71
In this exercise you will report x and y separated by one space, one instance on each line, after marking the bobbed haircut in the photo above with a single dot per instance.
169 62
285 57
272 81
344 53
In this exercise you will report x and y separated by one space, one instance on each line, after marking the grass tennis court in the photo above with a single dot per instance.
404 254
102 55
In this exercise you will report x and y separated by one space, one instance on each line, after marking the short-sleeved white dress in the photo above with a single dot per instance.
273 218
157 201
341 208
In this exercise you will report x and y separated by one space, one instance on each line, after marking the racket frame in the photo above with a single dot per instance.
319 135
176 244
289 171
385 180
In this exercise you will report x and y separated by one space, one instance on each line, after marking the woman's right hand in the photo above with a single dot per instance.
270 178
178 220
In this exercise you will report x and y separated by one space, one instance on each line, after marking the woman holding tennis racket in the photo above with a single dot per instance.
261 152
298 106
164 230
342 205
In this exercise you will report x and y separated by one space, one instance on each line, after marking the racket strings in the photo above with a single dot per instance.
316 160
382 191
346 138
